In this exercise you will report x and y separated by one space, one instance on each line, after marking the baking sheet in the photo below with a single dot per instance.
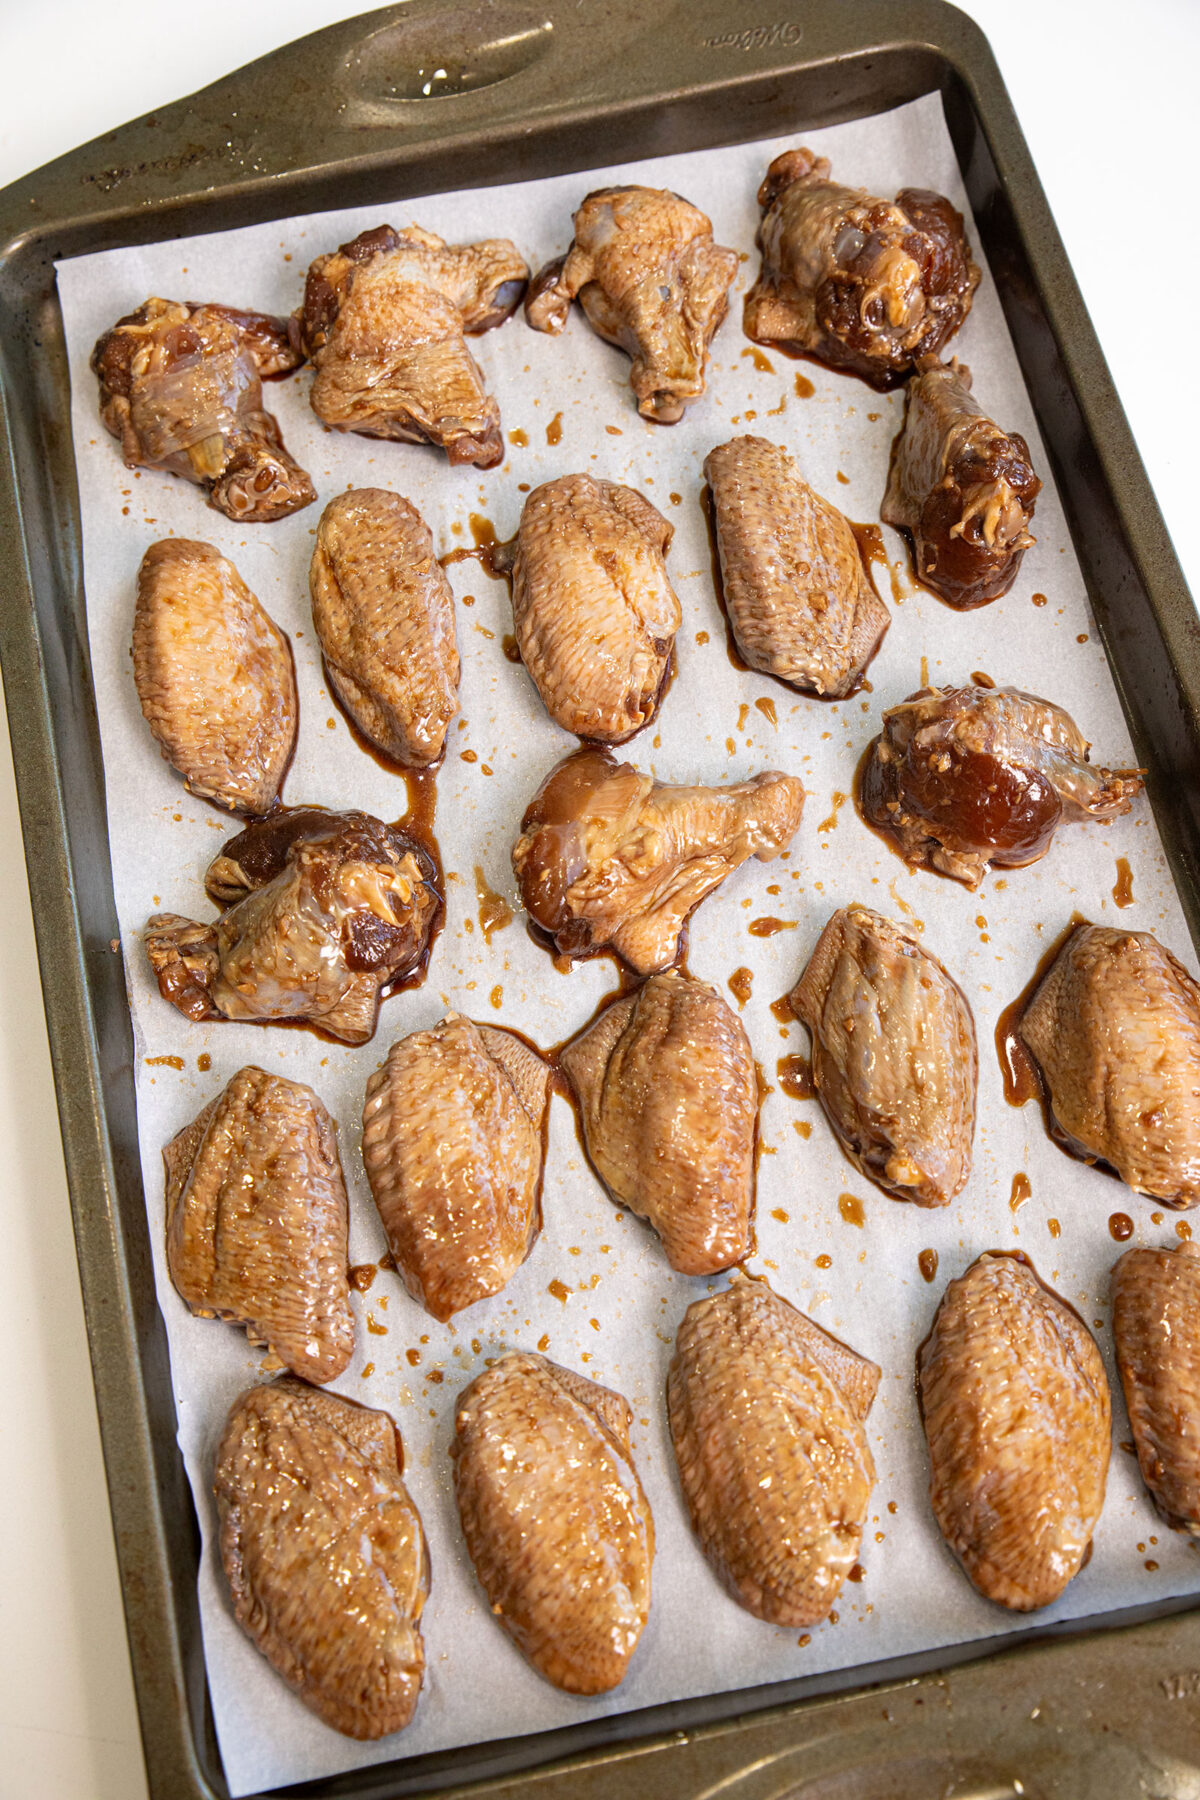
568 406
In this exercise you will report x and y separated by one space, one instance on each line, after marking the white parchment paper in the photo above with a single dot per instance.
618 1319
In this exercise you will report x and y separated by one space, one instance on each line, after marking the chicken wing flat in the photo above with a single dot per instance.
1156 1328
649 278
258 1223
324 1552
325 910
384 322
181 387
608 856
894 1058
799 598
1114 1028
669 1102
384 614
453 1150
860 283
767 1416
554 1517
1016 1410
961 778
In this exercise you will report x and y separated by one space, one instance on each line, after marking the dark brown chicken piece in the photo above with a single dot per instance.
962 489
860 283
1156 1329
325 910
258 1224
324 1552
181 387
669 1102
384 614
649 278
384 323
554 1518
608 856
1114 1028
453 1150
1015 1405
894 1058
767 1416
963 777
799 598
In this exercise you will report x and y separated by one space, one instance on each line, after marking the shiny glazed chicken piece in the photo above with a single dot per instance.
214 676
608 856
1016 1410
324 911
669 1102
860 283
963 777
767 1415
258 1223
453 1150
324 1553
1114 1028
181 387
384 614
650 280
1156 1328
962 489
799 598
384 322
554 1518
894 1058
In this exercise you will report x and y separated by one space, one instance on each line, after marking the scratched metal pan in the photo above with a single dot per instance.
354 113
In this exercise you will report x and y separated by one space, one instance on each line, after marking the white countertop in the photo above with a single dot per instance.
1106 96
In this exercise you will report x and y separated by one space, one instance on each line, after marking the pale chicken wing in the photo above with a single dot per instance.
1156 1329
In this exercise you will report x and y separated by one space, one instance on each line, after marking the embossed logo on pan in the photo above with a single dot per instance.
757 37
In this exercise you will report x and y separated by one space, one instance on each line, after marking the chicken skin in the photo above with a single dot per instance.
1156 1329
608 856
384 322
863 284
962 489
324 1553
1114 1028
961 778
669 1102
650 280
384 614
453 1150
894 1058
325 910
554 1518
800 601
768 1421
1015 1405
181 387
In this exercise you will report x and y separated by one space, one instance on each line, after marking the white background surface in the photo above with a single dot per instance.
1120 191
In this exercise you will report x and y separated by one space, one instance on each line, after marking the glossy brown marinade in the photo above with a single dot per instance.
1156 1329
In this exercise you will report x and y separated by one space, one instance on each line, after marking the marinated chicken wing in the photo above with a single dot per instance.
325 910
555 1519
860 283
384 322
669 1101
894 1058
963 777
181 387
258 1223
453 1150
324 1552
799 598
1015 1405
608 856
961 488
767 1416
1156 1328
384 614
648 276
1114 1028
